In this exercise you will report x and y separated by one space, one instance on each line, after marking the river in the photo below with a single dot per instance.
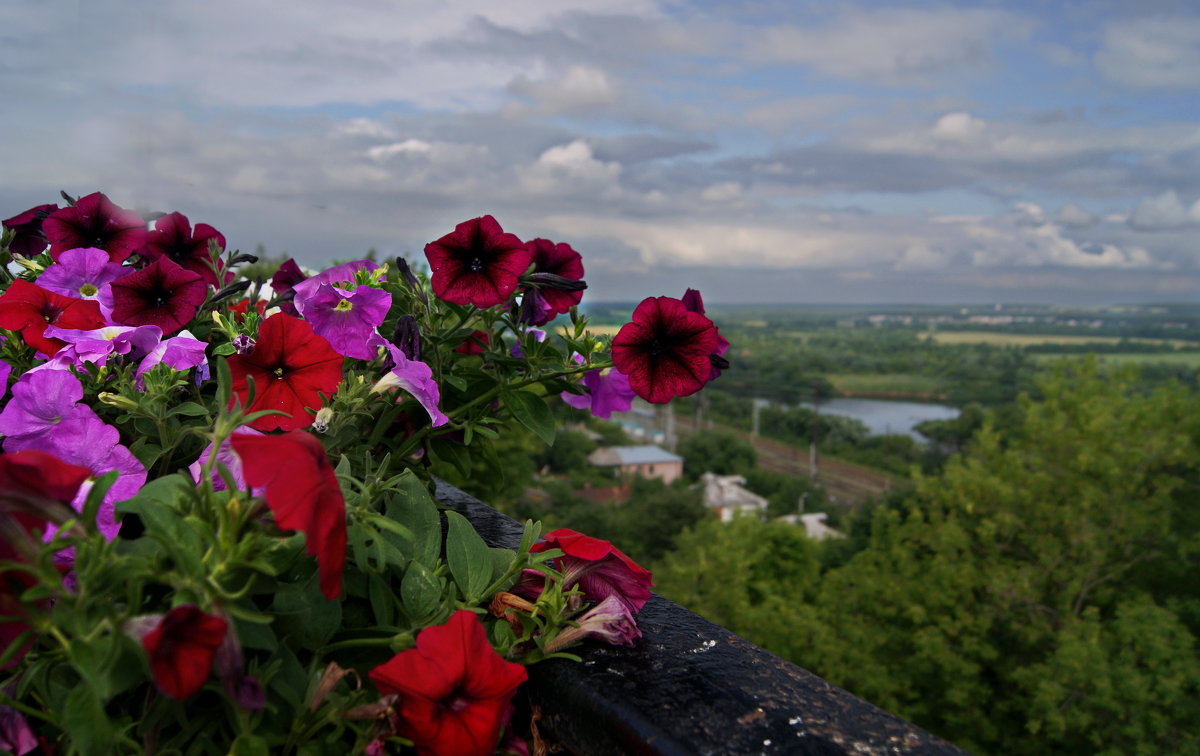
885 416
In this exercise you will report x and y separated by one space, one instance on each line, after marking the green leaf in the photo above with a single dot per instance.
383 602
250 745
502 559
455 381
532 412
304 613
85 722
188 409
420 591
444 450
468 557
413 507
224 350
91 661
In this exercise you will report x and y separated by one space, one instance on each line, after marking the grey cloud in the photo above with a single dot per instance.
1074 216
1157 52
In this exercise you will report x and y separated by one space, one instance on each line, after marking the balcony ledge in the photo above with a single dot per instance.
692 687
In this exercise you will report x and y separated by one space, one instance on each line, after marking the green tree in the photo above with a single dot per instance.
717 452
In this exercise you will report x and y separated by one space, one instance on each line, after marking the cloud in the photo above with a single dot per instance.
571 169
958 127
1074 216
1151 53
580 89
1164 212
779 116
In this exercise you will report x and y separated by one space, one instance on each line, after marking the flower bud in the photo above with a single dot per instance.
243 344
407 337
321 421
116 400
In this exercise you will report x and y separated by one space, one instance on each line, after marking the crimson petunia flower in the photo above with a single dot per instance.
181 649
173 237
284 280
555 260
477 264
454 689
595 565
95 221
29 239
290 366
665 350
29 308
476 343
695 303
303 492
161 294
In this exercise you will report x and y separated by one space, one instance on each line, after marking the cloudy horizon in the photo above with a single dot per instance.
760 151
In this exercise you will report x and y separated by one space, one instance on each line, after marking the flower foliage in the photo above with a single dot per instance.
215 509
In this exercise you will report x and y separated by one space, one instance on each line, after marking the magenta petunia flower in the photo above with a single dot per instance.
97 345
29 240
94 221
161 294
173 237
5 371
228 457
608 392
666 350
600 569
83 273
609 621
15 735
695 303
417 379
181 352
338 274
346 319
41 402
284 280
477 264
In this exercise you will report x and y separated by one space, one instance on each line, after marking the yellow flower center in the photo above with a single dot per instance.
343 306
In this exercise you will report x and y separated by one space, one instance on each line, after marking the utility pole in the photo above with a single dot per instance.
756 407
669 427
812 445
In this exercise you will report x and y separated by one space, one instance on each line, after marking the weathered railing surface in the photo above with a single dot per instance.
691 687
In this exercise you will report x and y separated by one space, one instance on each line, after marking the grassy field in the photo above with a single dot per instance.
896 384
1027 339
1190 359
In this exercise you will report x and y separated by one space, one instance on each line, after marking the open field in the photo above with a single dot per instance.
888 384
1028 339
1190 359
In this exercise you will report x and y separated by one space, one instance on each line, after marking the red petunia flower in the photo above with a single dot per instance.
290 366
29 308
695 303
478 264
181 649
454 689
95 221
595 565
665 350
552 261
173 237
303 492
29 481
29 240
161 294
476 343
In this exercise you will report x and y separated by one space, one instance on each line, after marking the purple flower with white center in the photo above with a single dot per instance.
96 346
343 273
414 377
609 621
83 273
346 319
538 335
608 392
228 457
180 352
43 403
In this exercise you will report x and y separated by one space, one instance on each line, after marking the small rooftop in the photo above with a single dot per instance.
632 455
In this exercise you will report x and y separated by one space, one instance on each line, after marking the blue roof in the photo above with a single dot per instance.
644 455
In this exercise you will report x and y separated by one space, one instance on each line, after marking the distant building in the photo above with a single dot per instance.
814 525
646 461
725 495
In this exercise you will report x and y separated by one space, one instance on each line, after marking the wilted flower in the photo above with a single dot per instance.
609 621
595 565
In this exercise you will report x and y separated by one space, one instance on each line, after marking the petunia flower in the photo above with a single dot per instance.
609 621
477 264
181 648
537 334
173 237
303 493
476 343
5 371
288 275
99 344
181 352
94 221
84 273
454 689
596 566
15 735
554 267
291 366
29 240
346 319
42 401
608 392
226 456
29 308
695 303
665 350
161 294
416 378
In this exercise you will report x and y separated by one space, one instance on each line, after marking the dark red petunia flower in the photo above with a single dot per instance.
30 482
303 492
95 221
29 239
478 264
29 308
290 365
181 649
161 294
665 350
595 565
284 280
695 303
173 237
561 261
476 343
455 690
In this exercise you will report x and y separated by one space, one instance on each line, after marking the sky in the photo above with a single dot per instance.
791 151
